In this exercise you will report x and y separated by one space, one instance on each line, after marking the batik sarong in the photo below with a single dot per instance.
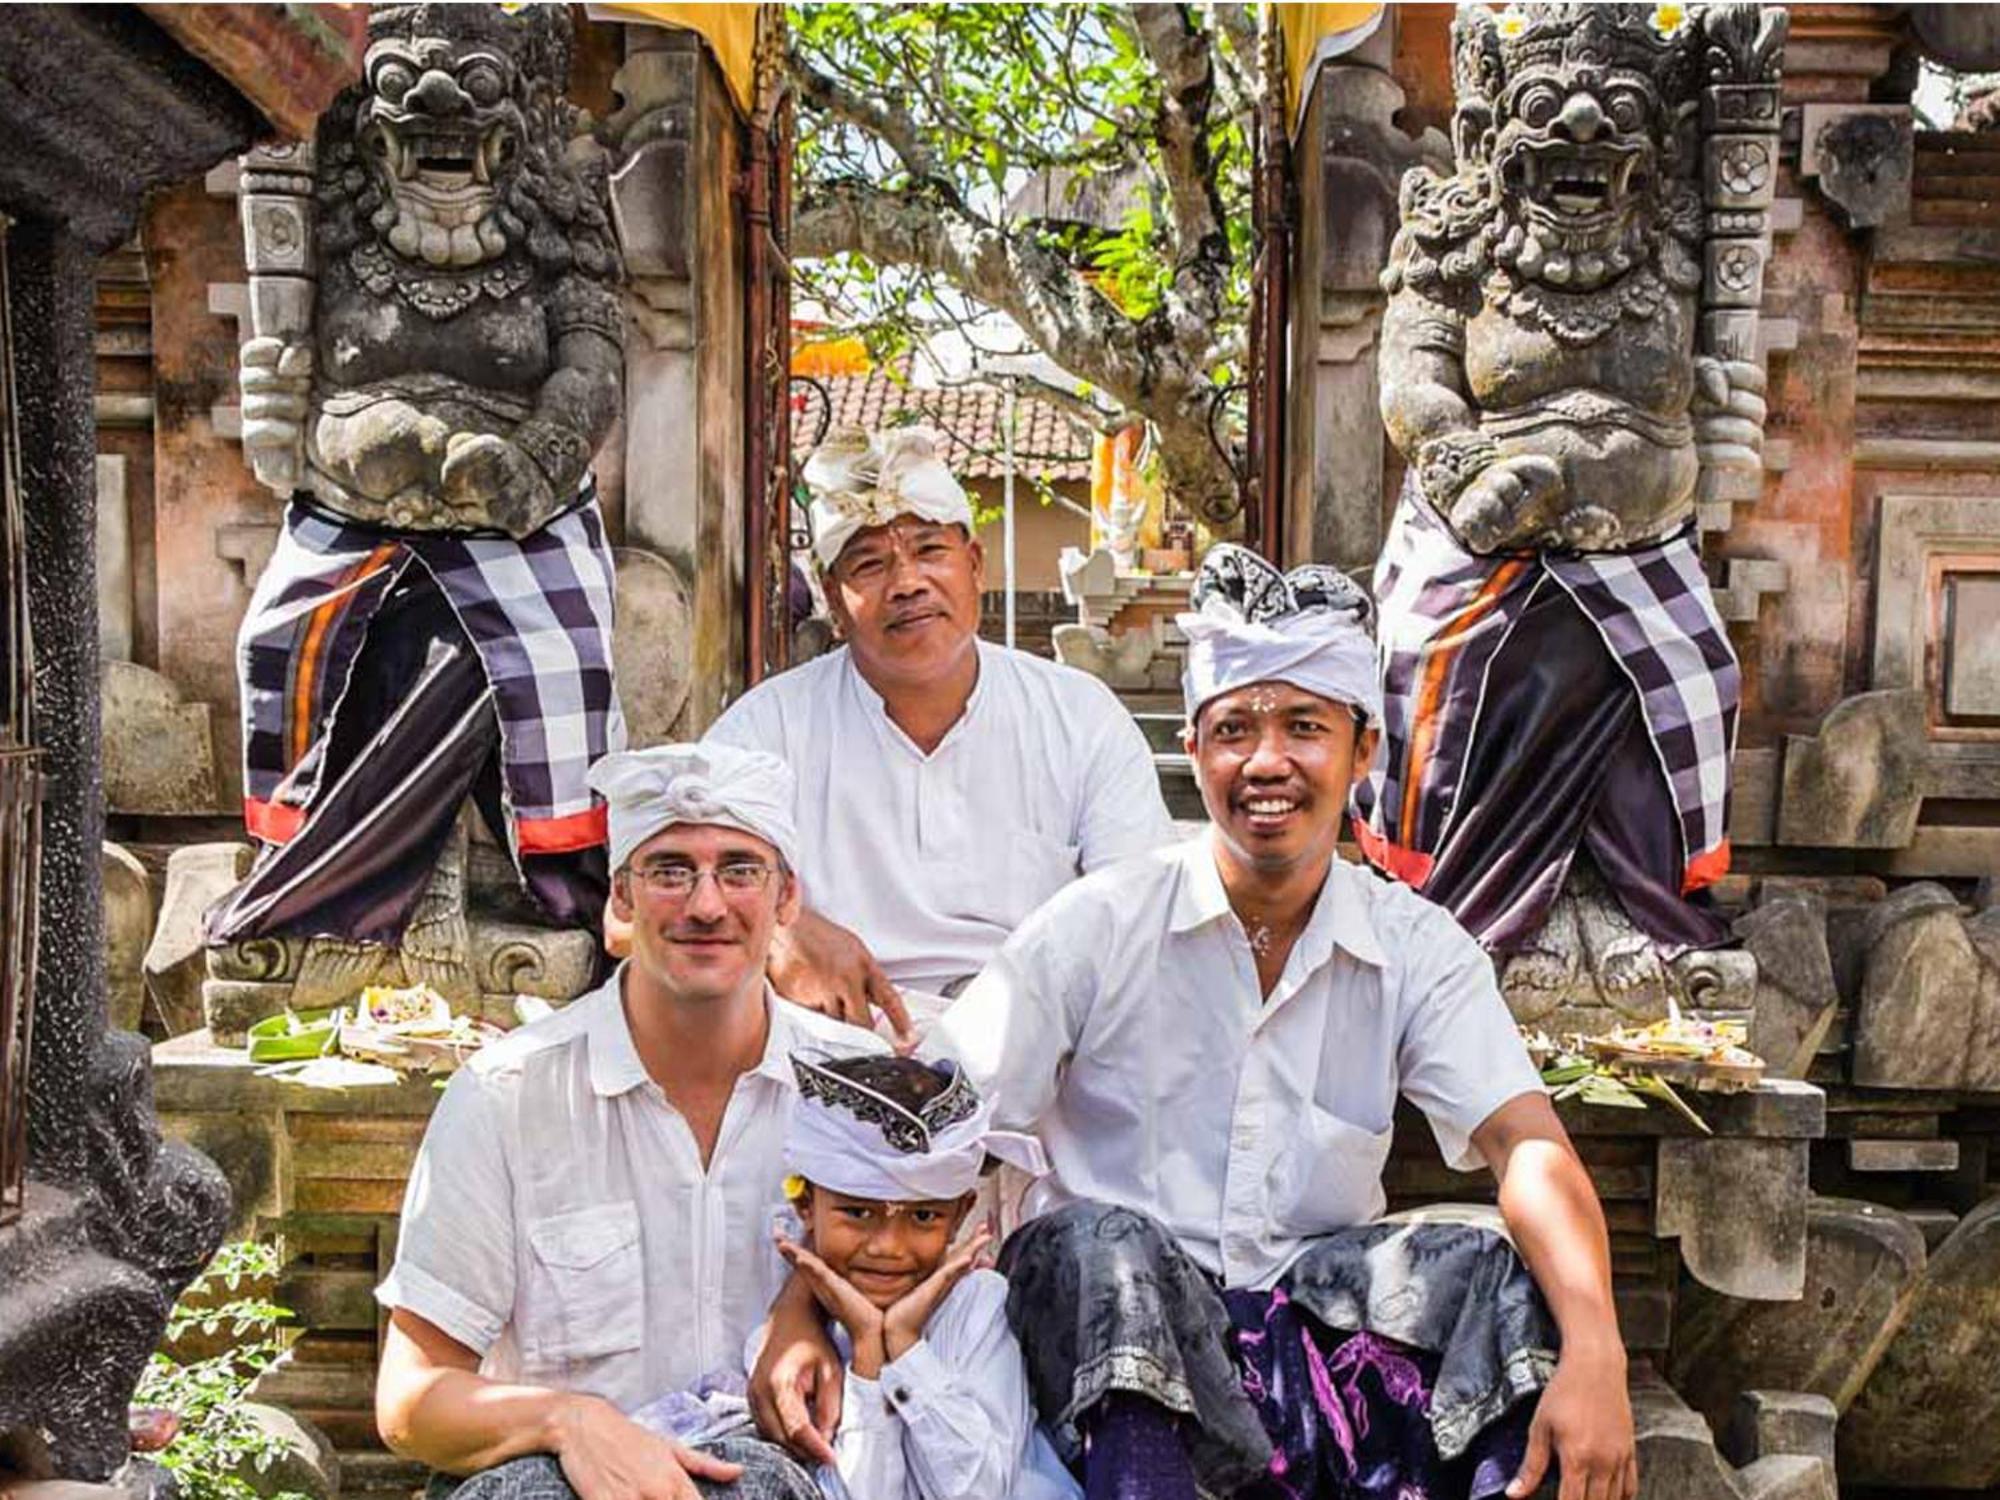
1349 1414
1103 1300
1539 702
537 611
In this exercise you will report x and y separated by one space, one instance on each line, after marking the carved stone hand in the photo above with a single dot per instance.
276 380
486 473
1507 502
1728 410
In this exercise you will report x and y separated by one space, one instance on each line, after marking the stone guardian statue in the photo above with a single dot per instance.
437 356
1569 345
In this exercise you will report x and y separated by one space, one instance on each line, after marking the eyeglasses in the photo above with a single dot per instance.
676 882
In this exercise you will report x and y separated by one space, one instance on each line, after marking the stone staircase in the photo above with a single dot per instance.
1160 719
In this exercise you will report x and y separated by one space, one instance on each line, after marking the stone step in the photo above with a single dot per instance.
1954 212
330 1300
1945 185
344 1427
1178 786
1902 1156
291 1382
1162 729
365 1471
1936 1224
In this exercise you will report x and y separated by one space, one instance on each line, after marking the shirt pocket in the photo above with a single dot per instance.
1330 1176
590 1264
1013 873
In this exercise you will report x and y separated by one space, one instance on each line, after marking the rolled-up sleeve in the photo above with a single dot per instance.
1460 1056
455 1263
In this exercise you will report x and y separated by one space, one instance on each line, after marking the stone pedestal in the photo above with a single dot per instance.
470 939
1729 1209
325 1169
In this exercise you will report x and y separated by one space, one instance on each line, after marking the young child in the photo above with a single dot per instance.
886 1154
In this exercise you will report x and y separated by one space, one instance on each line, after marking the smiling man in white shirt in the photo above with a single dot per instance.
589 1219
947 786
1210 1041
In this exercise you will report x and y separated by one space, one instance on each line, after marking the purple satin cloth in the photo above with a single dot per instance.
1349 1414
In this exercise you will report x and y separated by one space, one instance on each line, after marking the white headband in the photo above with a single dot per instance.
849 1139
1251 623
648 790
859 479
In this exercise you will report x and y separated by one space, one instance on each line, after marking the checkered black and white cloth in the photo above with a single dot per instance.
1445 613
538 612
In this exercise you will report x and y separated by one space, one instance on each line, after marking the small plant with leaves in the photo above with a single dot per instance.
217 1440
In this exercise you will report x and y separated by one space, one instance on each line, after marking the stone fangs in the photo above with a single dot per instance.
442 208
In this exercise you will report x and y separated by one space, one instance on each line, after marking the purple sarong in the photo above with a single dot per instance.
1349 1414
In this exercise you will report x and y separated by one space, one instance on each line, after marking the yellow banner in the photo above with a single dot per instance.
729 30
1314 33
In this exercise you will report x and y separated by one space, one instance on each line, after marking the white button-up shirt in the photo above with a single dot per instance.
952 1415
559 1222
933 859
1124 1024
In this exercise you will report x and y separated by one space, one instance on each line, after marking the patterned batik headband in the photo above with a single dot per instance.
853 1140
1311 627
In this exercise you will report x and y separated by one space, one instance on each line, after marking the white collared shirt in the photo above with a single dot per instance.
559 1222
950 1418
933 859
1123 1023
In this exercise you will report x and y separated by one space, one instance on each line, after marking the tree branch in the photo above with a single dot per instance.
1064 315
896 127
1180 54
1239 24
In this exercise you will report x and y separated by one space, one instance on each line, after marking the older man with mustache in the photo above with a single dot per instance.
947 786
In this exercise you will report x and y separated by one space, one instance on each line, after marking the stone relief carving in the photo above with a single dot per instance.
458 253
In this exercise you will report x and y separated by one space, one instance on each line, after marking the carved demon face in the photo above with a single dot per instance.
443 124
1576 155
1576 112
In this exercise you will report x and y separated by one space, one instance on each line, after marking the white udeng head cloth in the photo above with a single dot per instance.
849 1139
1250 623
860 479
648 790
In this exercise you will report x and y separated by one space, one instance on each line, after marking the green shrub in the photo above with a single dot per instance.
218 1442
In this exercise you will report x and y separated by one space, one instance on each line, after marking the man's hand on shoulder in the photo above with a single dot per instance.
1584 1421
822 966
605 1455
795 1390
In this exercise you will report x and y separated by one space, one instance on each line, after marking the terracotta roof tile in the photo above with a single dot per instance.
1048 444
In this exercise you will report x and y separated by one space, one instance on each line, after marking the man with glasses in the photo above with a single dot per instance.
947 786
590 1218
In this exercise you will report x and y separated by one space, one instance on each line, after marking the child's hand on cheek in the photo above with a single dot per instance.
904 1323
839 1299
